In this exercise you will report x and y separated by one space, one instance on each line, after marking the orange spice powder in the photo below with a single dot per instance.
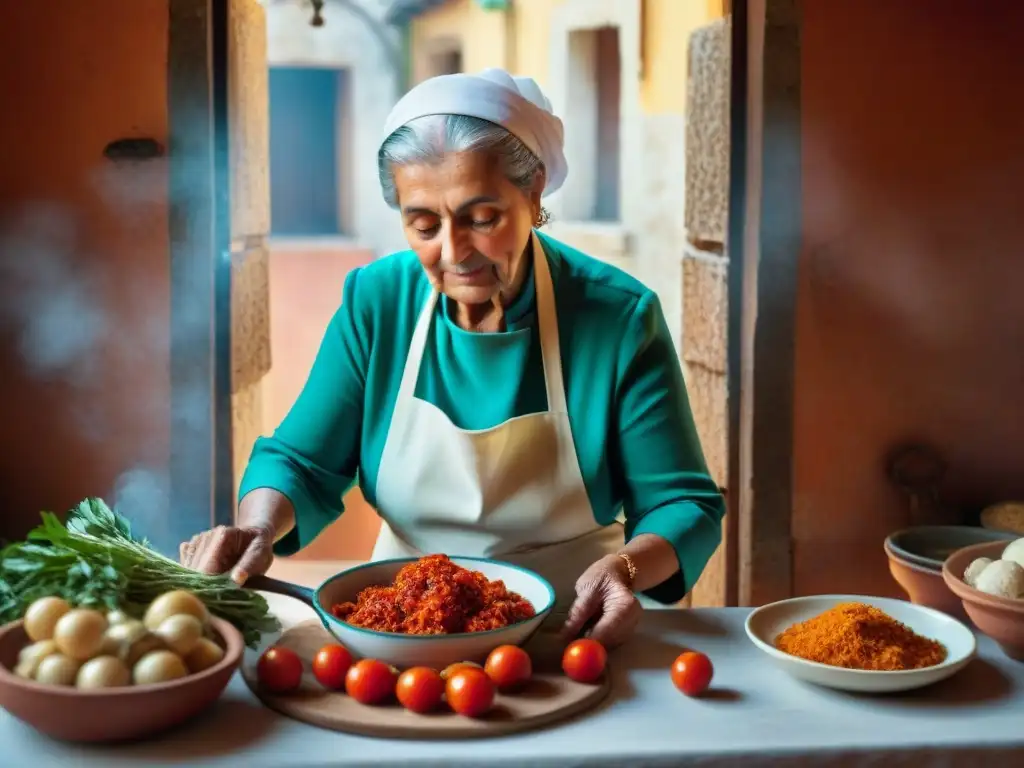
434 596
859 636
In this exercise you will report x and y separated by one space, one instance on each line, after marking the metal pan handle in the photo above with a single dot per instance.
278 587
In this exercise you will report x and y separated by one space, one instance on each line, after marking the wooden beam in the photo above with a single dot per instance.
200 467
223 443
737 196
769 208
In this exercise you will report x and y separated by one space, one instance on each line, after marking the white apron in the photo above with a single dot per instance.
513 492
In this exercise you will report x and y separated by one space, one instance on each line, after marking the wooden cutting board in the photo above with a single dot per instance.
549 698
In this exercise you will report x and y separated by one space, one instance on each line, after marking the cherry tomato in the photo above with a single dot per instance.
419 689
509 667
330 665
692 673
451 669
279 669
369 681
584 660
470 692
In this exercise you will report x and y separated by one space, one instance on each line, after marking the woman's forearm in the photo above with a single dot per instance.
268 509
655 560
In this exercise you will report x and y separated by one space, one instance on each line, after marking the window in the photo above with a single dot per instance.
447 62
440 55
594 85
608 68
306 120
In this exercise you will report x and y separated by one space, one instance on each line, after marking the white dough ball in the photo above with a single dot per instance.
1003 578
974 570
1014 552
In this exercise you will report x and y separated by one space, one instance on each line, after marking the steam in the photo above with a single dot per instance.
88 324
53 303
139 494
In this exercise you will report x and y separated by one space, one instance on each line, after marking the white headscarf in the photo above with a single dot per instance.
515 103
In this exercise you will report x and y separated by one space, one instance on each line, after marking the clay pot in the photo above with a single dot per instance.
114 714
1001 618
924 586
928 546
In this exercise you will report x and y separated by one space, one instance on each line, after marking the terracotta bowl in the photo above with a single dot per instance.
1001 618
115 714
928 546
924 586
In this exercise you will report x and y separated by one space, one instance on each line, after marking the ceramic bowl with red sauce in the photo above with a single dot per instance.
412 650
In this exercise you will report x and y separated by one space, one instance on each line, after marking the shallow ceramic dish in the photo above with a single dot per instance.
114 714
764 624
404 651
1001 618
928 546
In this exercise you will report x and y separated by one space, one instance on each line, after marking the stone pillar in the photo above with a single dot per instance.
250 223
250 348
705 268
705 350
707 134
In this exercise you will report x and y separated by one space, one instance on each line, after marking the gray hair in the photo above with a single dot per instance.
427 139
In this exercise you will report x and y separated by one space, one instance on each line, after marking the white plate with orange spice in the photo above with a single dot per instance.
861 644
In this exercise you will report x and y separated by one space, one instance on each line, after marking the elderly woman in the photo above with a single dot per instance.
496 392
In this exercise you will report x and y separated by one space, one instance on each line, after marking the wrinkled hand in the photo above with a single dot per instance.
243 551
603 593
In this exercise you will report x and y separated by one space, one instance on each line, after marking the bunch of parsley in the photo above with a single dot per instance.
93 560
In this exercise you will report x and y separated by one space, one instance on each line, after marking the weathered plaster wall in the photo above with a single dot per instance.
84 279
909 318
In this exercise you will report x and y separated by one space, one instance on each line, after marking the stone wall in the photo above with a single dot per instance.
707 133
705 266
250 224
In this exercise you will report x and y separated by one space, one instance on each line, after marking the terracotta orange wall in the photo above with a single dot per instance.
77 75
910 316
306 282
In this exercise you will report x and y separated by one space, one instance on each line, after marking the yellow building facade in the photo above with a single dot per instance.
517 39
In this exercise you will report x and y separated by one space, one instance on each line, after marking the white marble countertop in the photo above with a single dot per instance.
756 714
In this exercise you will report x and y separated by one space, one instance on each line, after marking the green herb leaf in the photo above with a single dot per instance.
94 560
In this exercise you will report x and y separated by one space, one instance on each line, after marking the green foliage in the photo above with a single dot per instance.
93 560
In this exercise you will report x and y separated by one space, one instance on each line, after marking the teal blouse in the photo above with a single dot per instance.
630 416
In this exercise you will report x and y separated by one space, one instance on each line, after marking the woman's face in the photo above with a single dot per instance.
468 225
